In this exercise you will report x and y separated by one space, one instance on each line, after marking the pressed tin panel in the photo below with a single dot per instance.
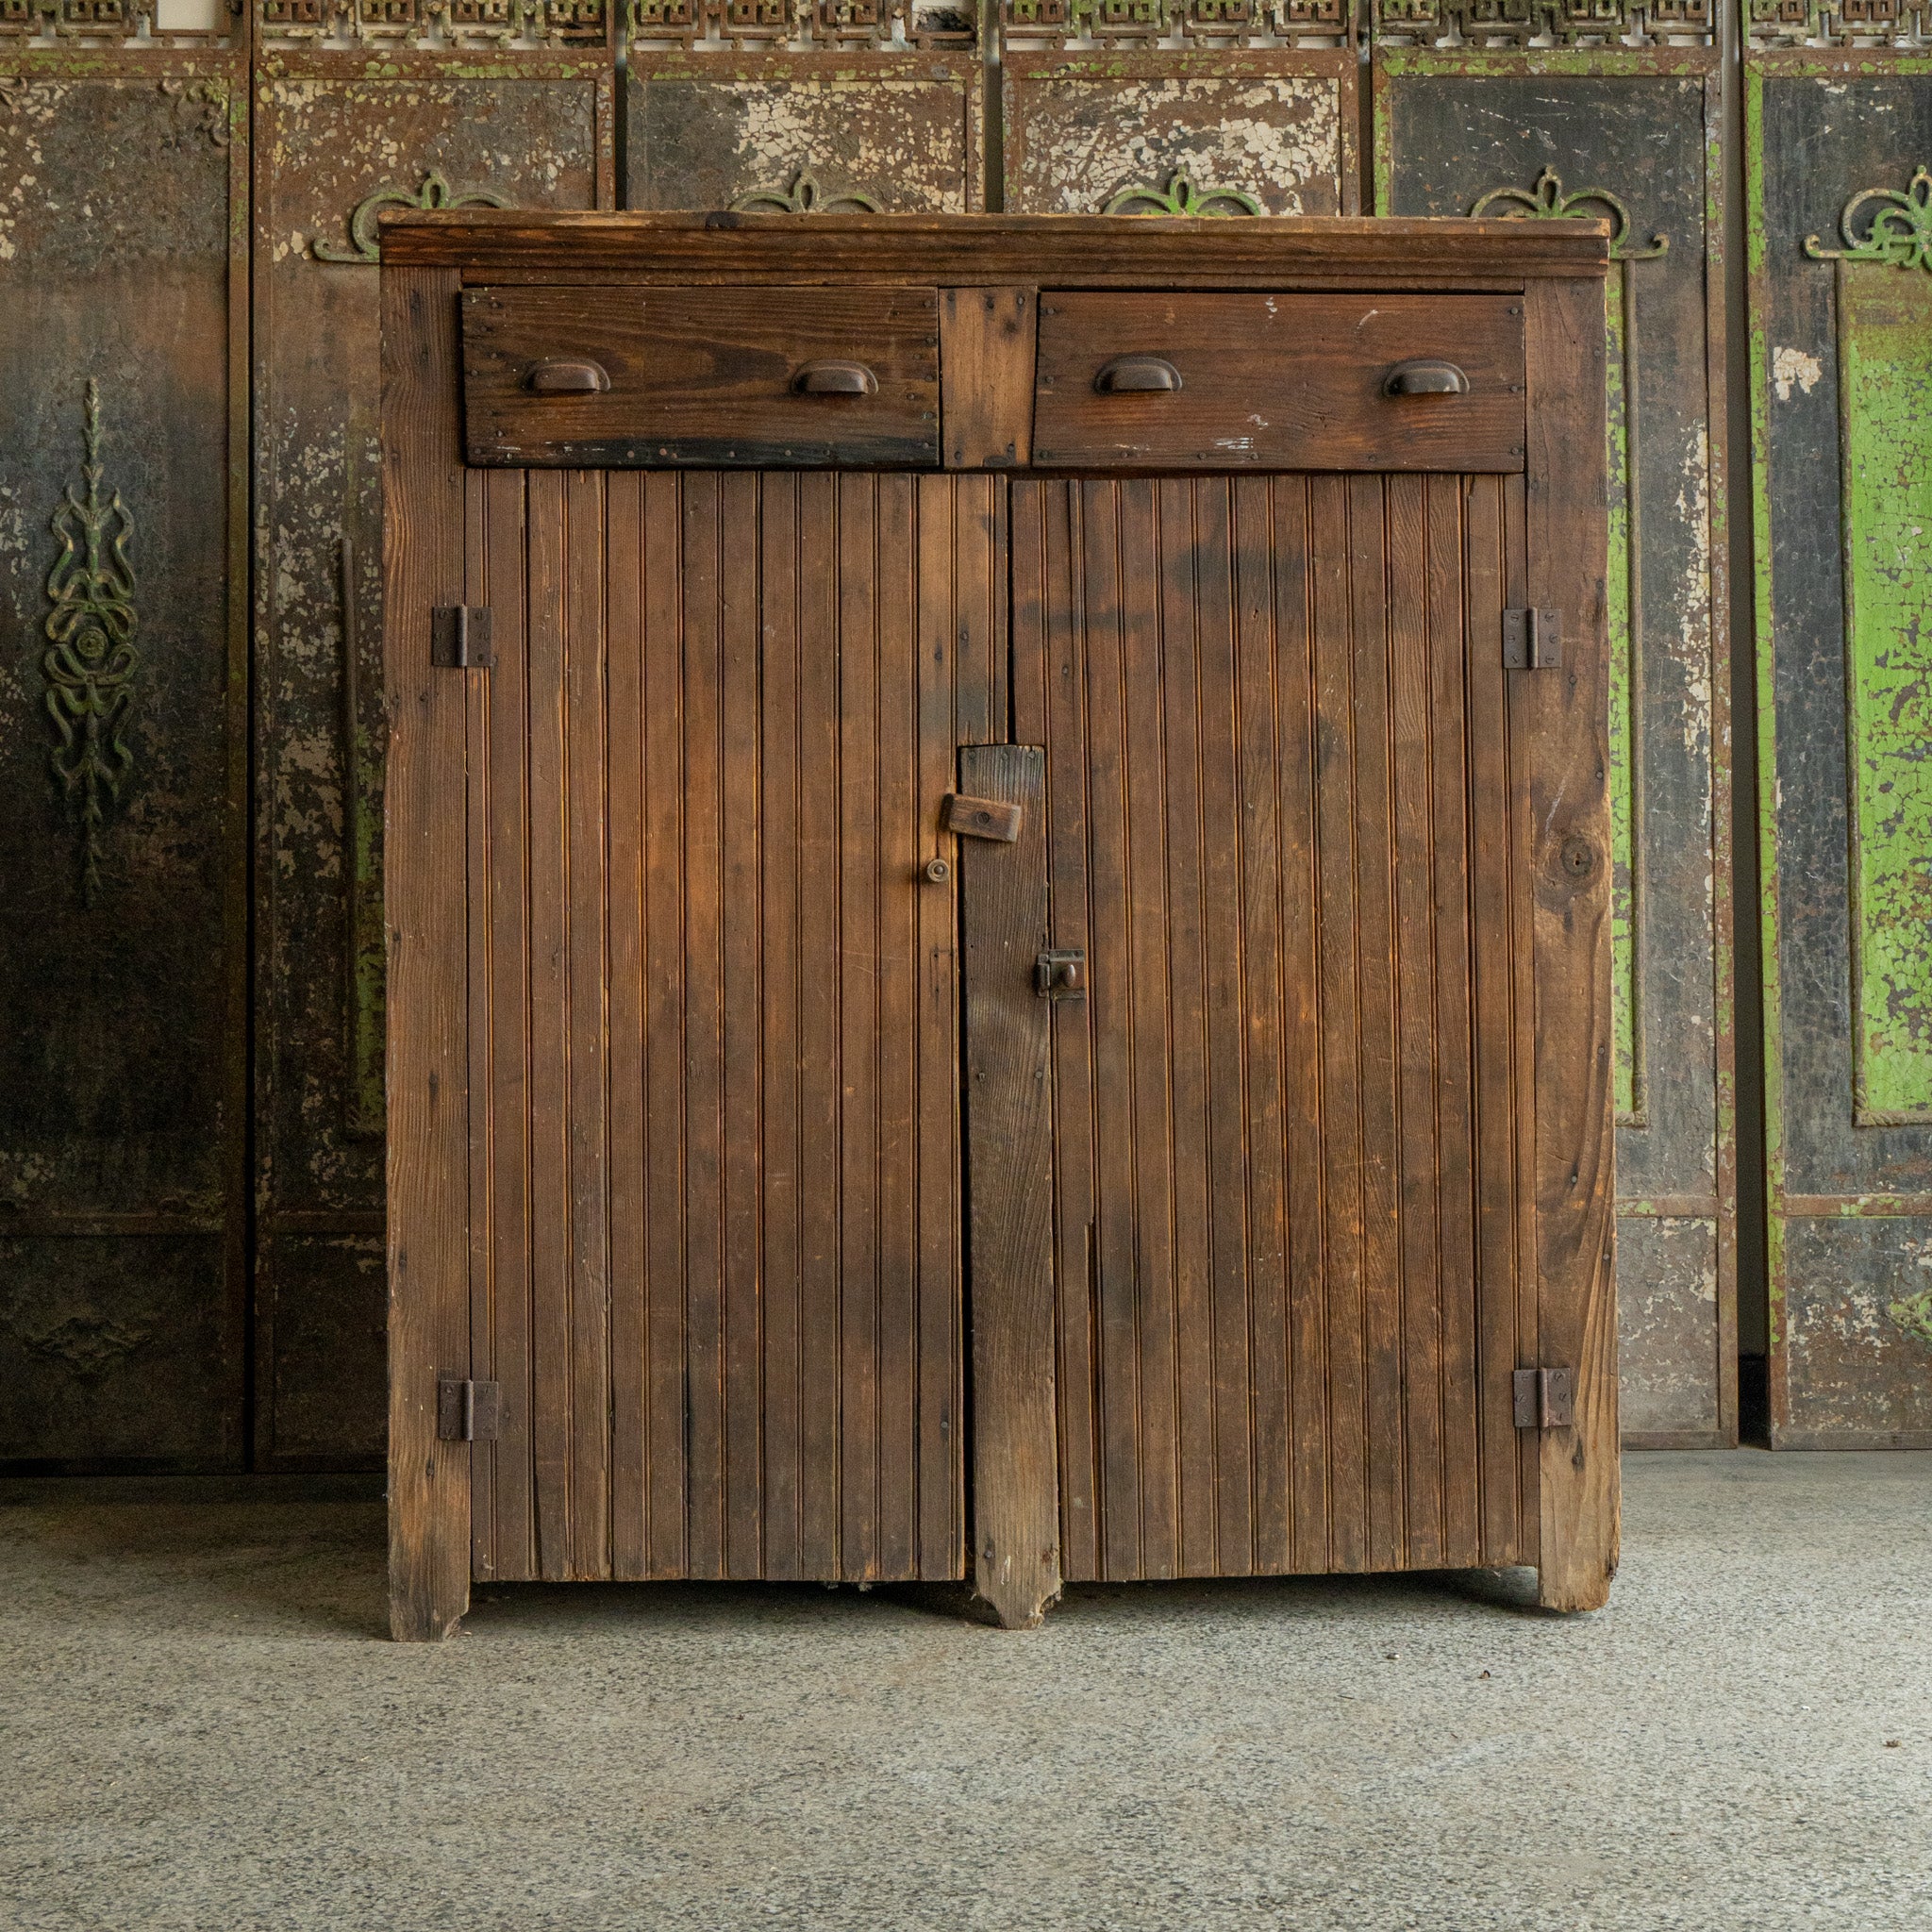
1164 107
1630 136
1840 315
122 706
340 136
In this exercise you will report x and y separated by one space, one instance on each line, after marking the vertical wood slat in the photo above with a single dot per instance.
1010 1171
627 1061
751 1379
499 1022
1580 1498
662 729
477 557
429 1153
586 852
548 1047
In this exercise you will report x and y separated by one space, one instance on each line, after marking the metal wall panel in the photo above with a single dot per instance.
1840 225
1175 110
339 135
122 706
1631 135
787 106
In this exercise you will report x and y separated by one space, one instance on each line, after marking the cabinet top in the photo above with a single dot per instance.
1060 251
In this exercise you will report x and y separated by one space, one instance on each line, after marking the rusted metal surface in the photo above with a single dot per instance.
1202 124
1840 332
123 706
1629 135
791 107
340 136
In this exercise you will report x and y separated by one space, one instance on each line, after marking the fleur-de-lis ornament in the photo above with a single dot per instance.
1900 232
1182 197
91 658
1547 202
804 198
364 244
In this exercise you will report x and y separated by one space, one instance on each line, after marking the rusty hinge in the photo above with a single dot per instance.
460 638
1545 1398
468 1411
982 818
1060 973
1532 640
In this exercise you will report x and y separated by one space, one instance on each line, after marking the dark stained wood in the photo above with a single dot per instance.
428 1149
718 1007
1069 251
1009 1171
1263 1221
1272 382
1257 757
985 377
1570 822
702 378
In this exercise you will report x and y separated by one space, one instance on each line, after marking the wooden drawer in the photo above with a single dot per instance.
1279 382
709 377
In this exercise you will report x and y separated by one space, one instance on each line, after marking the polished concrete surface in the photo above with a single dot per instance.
203 1726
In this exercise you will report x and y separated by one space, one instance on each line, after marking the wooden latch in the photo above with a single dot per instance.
460 638
1532 640
468 1411
1545 1398
982 818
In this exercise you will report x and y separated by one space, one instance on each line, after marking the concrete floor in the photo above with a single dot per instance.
203 1728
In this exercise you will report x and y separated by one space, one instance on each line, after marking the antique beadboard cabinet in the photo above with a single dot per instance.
998 895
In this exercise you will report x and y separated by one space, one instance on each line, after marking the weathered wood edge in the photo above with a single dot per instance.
1569 849
1015 1499
1070 250
424 836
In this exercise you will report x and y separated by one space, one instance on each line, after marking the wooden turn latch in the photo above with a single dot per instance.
982 818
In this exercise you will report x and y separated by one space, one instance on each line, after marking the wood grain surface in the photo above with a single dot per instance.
702 378
1279 382
718 1019
1009 1177
1288 1192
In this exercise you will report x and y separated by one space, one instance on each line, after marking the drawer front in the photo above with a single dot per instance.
1279 382
707 378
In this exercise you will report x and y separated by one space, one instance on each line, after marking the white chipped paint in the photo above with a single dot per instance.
1793 367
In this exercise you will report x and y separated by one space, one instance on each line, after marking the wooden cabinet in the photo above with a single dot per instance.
998 901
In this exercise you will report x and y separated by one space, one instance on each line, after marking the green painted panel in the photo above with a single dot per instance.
1885 324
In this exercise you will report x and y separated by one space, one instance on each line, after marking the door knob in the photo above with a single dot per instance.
1426 379
567 379
835 379
1137 375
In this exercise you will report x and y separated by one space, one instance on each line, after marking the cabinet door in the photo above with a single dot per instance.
1288 797
714 1019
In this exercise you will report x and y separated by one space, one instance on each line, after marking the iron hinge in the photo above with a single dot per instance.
1545 1398
468 1411
1532 640
460 638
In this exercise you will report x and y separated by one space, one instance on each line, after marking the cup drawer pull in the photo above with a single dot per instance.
836 379
567 379
1137 375
1426 379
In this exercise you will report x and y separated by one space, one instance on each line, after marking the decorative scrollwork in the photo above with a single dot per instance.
855 24
201 111
90 659
1840 23
463 22
1211 23
1516 22
88 1343
1182 197
1547 202
364 244
805 197
1900 232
